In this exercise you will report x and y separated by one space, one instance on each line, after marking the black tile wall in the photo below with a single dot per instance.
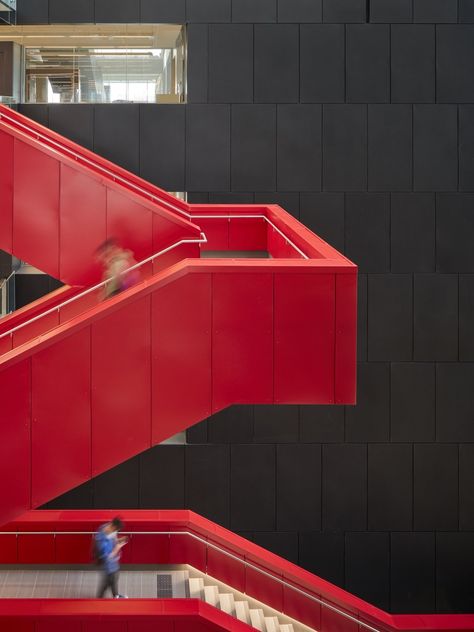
368 63
413 63
365 131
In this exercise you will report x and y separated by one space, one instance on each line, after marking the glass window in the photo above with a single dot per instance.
105 75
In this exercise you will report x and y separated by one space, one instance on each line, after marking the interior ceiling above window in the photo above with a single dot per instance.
94 35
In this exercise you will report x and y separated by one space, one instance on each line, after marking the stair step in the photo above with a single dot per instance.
226 603
211 595
286 627
272 624
242 611
196 587
257 619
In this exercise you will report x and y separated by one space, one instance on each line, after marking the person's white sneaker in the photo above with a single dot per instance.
121 596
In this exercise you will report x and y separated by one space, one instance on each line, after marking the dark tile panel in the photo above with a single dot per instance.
368 63
412 572
276 424
118 487
162 145
454 571
435 10
391 11
344 487
162 479
289 200
71 11
116 134
413 63
254 11
342 11
208 147
390 317
116 11
322 63
253 147
298 147
367 231
323 555
362 315
454 402
390 147
436 317
322 424
230 74
300 10
466 11
466 317
413 232
39 113
436 487
413 402
253 487
230 197
276 63
163 11
368 567
32 12
454 229
455 50
231 425
323 213
208 467
81 497
466 487
390 495
75 121
298 467
197 433
208 10
369 421
435 147
281 543
466 147
198 62
30 287
344 147
198 197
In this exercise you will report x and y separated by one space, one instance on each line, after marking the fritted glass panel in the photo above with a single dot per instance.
105 75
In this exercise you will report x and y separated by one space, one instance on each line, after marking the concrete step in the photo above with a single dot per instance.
242 611
272 624
226 603
211 595
196 587
286 627
257 619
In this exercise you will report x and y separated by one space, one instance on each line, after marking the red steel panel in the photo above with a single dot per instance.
226 569
15 448
104 626
264 588
61 625
242 339
35 329
8 549
217 233
82 228
13 624
247 234
346 338
181 351
187 550
73 549
304 338
36 208
121 410
150 626
35 549
6 192
61 430
301 608
165 233
130 223
333 622
149 549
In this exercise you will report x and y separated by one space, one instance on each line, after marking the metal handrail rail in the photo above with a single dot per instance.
5 281
189 216
94 288
221 550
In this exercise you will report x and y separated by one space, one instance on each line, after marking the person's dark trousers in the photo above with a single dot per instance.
108 580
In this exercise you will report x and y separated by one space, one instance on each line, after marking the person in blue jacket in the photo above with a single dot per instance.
107 548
